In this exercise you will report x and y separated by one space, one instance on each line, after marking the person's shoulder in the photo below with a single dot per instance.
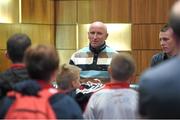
61 97
5 74
100 92
65 107
158 55
84 49
157 58
162 71
110 49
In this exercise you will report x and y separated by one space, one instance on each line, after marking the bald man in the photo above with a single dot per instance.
159 86
95 58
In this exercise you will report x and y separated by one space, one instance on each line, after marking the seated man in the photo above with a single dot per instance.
116 100
168 45
95 58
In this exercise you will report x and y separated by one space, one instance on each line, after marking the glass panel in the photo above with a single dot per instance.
9 11
66 37
119 36
65 55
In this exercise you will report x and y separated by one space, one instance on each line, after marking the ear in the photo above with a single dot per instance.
109 70
6 54
54 76
107 35
73 83
132 78
88 35
76 84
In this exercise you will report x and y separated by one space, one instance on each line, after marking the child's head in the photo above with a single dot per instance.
69 76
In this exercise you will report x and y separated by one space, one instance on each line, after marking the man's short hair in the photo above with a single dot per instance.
68 73
165 28
41 61
122 66
16 46
174 19
174 22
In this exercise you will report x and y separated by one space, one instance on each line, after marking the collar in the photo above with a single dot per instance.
166 56
18 65
98 49
116 85
44 84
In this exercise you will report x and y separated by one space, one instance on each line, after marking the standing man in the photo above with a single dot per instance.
95 58
159 87
16 47
168 45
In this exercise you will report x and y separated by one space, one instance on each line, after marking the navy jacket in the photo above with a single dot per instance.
158 58
13 75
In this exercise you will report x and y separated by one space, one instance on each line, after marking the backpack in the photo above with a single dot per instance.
31 107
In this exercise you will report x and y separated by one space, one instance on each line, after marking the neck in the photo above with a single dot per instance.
118 81
125 80
98 49
173 53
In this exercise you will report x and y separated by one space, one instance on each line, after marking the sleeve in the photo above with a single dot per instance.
65 107
5 104
157 58
153 61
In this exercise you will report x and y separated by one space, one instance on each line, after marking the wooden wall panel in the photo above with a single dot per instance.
65 55
4 29
137 57
39 18
39 34
146 36
109 11
143 59
66 12
66 37
4 61
150 11
38 11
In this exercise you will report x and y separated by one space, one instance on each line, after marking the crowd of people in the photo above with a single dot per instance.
96 82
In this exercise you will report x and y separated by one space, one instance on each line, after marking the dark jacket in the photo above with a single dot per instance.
63 106
16 73
158 58
159 87
80 97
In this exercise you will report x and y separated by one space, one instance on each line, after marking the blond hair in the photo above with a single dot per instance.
67 74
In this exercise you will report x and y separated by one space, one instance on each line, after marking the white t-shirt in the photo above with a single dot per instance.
113 104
